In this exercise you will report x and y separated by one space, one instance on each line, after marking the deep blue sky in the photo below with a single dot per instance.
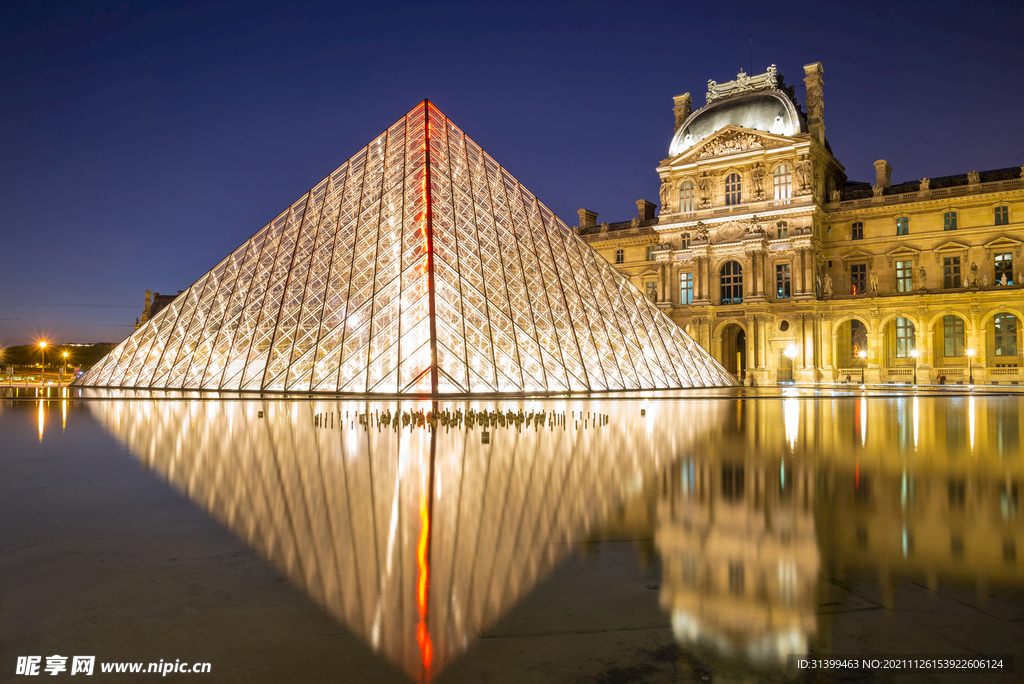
140 143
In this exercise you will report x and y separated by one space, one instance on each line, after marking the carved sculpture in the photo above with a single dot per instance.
705 186
926 184
635 222
605 227
873 282
1002 280
666 188
815 104
828 285
923 274
877 190
733 141
974 273
837 196
802 175
743 83
700 232
757 176
984 280
973 177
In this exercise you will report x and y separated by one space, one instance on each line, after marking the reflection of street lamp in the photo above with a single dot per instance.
42 366
790 353
863 354
970 365
915 353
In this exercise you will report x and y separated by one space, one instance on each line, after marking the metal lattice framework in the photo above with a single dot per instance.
419 266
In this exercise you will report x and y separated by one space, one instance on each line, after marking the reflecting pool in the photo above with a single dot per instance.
710 536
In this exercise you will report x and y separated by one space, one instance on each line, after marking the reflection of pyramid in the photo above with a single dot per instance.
417 540
418 266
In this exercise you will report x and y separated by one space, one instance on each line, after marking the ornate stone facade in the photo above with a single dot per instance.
784 269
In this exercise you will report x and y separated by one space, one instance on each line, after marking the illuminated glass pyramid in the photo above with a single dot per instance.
419 266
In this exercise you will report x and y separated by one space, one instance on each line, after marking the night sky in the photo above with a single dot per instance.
139 145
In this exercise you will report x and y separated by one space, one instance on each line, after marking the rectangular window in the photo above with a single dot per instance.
650 253
952 336
782 281
904 337
903 226
686 240
904 276
949 220
1005 328
859 278
1004 268
1002 216
783 229
686 288
857 231
951 272
620 256
652 290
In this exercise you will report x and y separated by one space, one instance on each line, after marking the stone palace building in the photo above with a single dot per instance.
784 269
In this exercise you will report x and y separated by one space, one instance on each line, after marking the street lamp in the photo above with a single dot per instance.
42 366
863 354
65 362
915 354
970 365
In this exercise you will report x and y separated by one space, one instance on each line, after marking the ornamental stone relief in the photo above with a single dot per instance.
743 83
731 143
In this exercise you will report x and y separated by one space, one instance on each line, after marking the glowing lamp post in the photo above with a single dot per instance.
42 365
970 365
915 354
863 354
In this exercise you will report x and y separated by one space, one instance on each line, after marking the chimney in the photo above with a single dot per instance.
588 219
645 209
148 300
813 80
683 107
883 174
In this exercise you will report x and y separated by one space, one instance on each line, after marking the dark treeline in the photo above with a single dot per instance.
78 356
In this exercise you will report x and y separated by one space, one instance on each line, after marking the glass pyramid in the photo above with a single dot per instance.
420 266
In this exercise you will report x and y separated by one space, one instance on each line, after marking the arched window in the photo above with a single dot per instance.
952 336
732 282
732 188
783 182
687 195
1005 328
905 340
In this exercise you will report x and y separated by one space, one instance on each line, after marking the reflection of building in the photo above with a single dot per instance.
740 555
763 242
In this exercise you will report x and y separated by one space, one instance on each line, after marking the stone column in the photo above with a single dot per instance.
751 351
763 321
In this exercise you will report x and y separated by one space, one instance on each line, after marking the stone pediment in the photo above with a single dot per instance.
951 246
1002 244
857 255
734 140
903 252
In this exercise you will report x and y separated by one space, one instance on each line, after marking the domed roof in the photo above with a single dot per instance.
765 110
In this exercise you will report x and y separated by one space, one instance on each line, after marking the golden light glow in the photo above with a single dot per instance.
791 351
42 421
42 345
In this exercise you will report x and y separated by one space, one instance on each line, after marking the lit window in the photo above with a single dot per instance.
783 231
732 188
783 178
949 220
904 337
686 287
620 256
1005 328
904 276
686 240
858 279
782 281
731 283
951 272
857 231
1004 268
952 336
1002 216
650 252
903 226
687 195
652 290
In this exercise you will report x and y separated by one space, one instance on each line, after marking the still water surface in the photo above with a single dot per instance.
770 521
